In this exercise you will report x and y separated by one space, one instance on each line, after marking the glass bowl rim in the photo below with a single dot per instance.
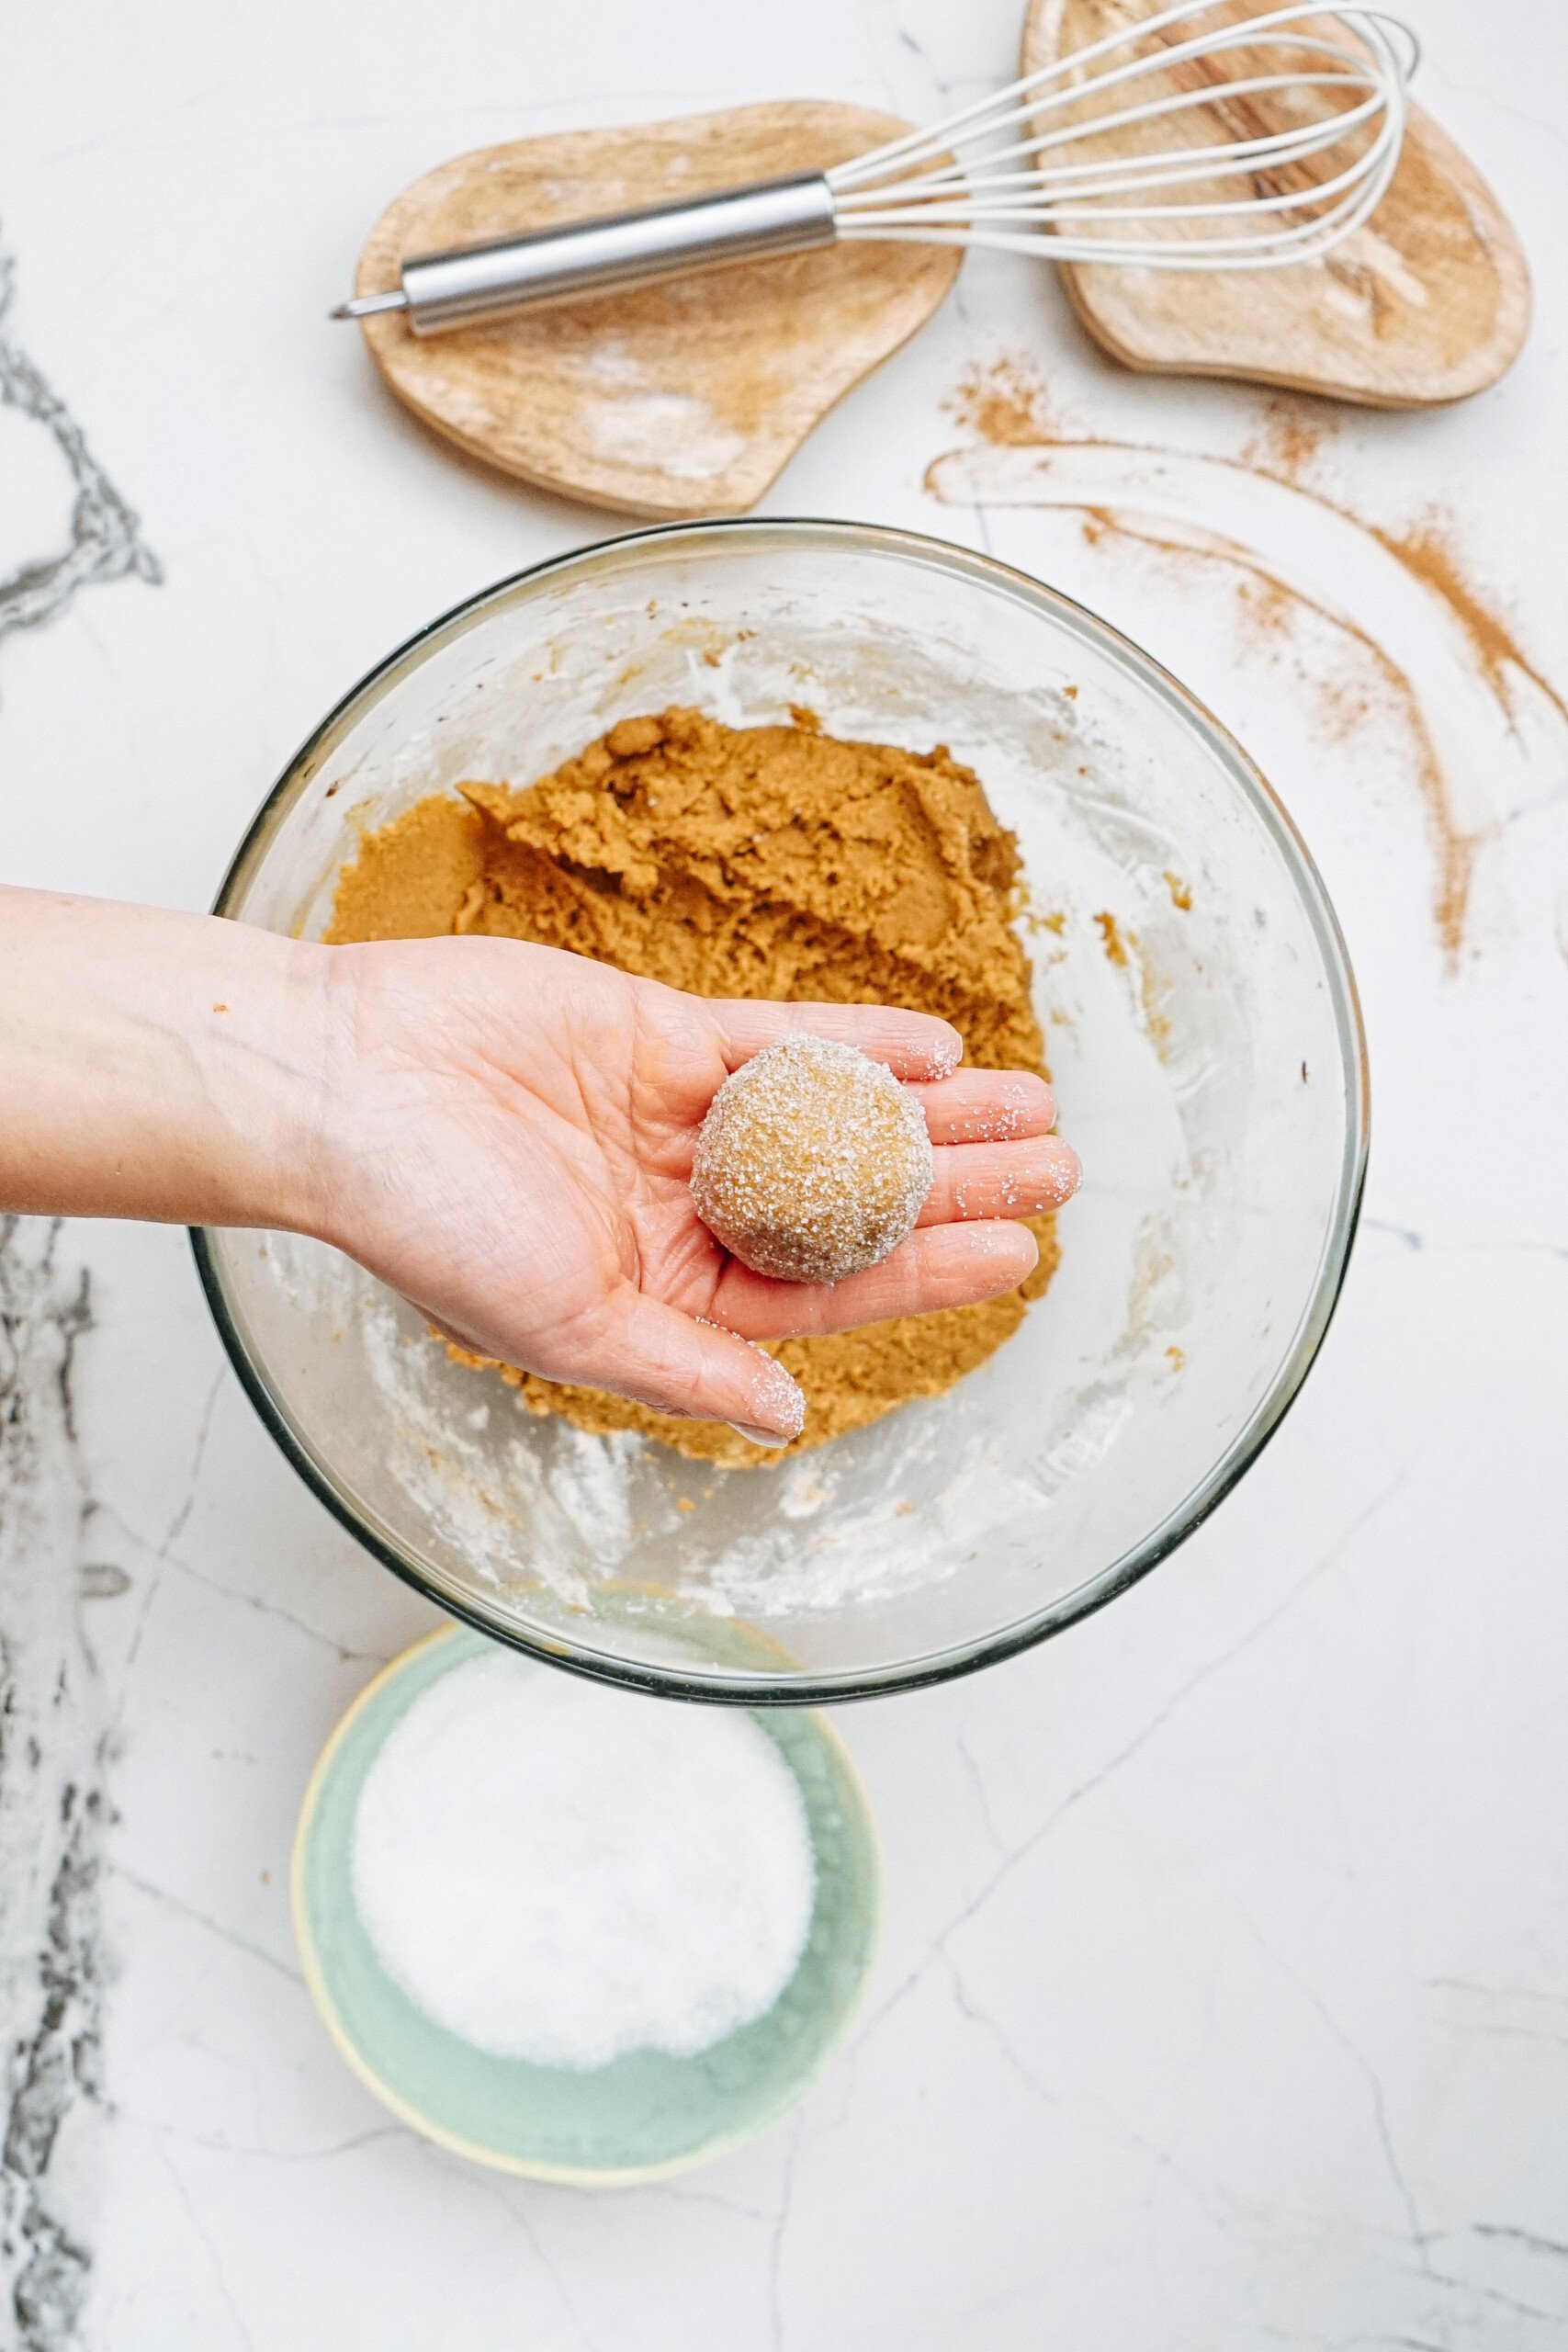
819 1688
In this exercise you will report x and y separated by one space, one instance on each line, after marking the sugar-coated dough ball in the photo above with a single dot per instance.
813 1162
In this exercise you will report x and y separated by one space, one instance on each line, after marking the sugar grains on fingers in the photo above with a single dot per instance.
943 1265
986 1105
1000 1180
642 1348
914 1046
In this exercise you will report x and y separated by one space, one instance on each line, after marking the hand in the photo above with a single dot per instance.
502 1132
506 1137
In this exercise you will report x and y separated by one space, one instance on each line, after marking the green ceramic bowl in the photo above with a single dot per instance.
647 2114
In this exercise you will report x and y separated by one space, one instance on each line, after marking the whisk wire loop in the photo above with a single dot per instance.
1195 162
925 188
1064 208
1001 108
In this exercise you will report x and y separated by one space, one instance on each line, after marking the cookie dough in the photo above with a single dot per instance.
813 1162
771 861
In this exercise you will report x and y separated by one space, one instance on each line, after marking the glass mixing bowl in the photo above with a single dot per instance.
1207 1050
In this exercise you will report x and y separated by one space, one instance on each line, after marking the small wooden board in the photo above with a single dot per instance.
684 398
1428 302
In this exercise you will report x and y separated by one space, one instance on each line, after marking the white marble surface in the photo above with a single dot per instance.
1225 1999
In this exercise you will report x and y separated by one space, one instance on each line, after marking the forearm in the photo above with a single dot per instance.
156 1065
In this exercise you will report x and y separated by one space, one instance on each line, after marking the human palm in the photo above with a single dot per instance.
510 1144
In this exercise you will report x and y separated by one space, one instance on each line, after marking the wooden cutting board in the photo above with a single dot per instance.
1428 302
681 399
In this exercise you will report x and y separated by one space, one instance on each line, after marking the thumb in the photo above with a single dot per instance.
646 1349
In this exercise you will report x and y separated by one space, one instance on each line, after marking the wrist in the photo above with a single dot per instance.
158 1065
260 1043
335 1125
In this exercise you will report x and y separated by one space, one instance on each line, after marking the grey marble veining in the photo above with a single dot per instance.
53 1709
106 540
52 1724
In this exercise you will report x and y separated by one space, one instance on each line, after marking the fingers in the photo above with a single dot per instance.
640 1348
913 1045
945 1265
998 1179
986 1106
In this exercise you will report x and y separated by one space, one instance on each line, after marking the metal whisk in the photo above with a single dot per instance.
1002 174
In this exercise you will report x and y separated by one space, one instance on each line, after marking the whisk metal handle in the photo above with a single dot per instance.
440 291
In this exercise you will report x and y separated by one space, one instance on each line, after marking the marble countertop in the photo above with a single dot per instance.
1224 1995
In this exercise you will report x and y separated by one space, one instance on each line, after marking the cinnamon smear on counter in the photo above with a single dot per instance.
772 862
1426 552
1294 430
1271 609
1007 406
1006 403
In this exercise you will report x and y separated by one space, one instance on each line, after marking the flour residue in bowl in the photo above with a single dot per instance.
541 1509
563 1875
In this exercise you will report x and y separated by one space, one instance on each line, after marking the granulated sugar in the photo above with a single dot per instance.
813 1162
562 1875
